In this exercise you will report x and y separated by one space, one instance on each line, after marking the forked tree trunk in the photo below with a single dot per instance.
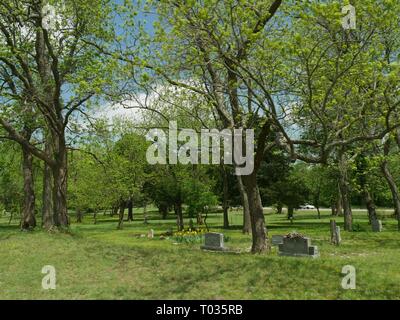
246 209
259 231
28 220
56 135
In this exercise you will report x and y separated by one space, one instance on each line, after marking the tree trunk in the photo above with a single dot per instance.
333 208
60 186
11 216
121 214
28 220
55 138
163 210
130 209
347 213
393 189
179 215
316 202
335 236
145 213
259 231
362 170
339 203
246 209
344 190
290 212
319 211
47 196
78 215
225 204
279 208
369 202
114 210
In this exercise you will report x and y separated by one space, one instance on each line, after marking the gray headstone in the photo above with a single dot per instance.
213 241
313 251
277 240
376 225
298 247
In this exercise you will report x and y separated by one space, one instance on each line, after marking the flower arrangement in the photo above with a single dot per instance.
294 235
189 236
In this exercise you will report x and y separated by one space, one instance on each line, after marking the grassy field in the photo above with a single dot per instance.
101 262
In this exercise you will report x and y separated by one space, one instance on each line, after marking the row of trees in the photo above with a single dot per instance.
312 91
112 175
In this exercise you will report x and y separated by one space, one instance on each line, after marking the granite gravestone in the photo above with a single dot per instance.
213 241
296 245
376 225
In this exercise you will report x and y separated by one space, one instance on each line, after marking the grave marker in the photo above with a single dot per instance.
376 225
296 245
213 241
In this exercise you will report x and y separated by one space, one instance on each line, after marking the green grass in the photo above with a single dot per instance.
101 262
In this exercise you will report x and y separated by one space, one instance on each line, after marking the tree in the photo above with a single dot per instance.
199 34
108 168
51 67
345 95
